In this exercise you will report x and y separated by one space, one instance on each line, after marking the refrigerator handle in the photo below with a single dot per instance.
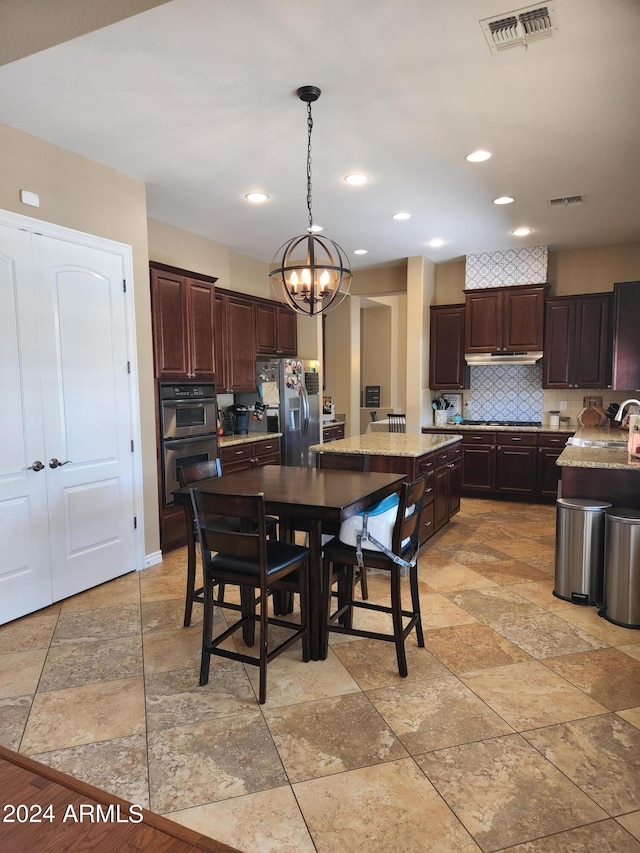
305 410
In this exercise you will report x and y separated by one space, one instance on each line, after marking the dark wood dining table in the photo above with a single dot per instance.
315 495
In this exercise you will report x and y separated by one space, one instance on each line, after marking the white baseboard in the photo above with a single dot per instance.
152 559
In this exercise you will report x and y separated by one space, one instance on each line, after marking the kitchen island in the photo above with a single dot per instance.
437 456
605 473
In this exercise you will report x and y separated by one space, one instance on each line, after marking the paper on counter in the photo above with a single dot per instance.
270 394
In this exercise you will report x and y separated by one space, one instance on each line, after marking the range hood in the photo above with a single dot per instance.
495 358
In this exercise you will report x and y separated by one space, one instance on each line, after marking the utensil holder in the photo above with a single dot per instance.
440 417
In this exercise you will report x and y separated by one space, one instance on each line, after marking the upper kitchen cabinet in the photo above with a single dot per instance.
447 367
577 341
505 319
276 329
182 306
626 330
234 342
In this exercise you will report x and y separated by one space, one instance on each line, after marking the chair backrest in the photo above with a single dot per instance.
397 423
373 416
407 526
188 474
343 461
247 542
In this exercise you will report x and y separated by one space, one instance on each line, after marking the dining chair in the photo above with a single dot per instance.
397 423
340 462
340 562
187 476
374 416
246 558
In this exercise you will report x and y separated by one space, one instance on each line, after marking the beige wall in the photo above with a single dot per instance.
593 270
380 280
77 193
375 348
450 282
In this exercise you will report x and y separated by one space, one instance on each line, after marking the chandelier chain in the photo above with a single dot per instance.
309 129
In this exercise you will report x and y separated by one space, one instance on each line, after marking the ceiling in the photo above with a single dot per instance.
197 99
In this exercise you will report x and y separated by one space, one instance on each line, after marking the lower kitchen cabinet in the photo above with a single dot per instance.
510 464
250 454
479 461
548 473
447 482
332 432
516 457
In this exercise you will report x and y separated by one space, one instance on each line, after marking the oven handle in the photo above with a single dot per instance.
207 436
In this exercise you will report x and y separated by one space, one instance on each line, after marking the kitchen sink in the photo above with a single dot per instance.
585 442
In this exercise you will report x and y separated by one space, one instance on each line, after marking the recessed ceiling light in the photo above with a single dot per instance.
360 251
315 229
504 199
356 179
256 198
402 216
478 156
521 232
436 243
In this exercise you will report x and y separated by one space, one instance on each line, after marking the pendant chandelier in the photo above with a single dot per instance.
312 273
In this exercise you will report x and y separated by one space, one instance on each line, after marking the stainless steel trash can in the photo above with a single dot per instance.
580 527
622 568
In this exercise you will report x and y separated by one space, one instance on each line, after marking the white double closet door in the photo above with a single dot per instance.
67 501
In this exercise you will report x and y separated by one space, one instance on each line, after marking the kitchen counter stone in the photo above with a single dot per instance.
388 444
612 458
570 430
231 440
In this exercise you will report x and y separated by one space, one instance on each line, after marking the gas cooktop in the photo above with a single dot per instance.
504 423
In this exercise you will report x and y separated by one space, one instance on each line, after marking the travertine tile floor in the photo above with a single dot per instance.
517 729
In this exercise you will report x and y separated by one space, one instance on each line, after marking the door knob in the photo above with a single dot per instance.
37 466
54 463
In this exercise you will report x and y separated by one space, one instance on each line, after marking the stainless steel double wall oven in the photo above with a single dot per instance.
189 418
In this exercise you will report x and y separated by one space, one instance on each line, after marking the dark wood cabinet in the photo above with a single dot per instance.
548 474
250 454
447 482
626 326
182 306
577 341
276 329
510 464
505 319
332 432
235 342
478 461
516 463
447 367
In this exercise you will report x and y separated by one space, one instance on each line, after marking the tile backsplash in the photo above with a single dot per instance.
511 267
506 392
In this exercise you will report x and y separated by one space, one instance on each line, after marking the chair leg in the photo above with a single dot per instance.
264 642
415 603
191 567
396 613
304 614
248 605
346 584
207 630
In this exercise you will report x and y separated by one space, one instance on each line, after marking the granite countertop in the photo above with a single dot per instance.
336 422
230 440
613 458
388 444
568 430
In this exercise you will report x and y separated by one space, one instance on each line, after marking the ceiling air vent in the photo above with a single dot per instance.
520 27
567 200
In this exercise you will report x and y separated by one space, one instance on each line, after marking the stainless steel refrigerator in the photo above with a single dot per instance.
290 388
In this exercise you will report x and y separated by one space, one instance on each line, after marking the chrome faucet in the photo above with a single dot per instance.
620 413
